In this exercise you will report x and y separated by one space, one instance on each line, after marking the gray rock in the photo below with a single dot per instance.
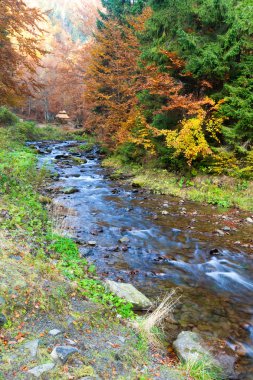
130 294
249 220
164 212
62 353
86 252
124 240
189 347
2 301
32 346
92 243
54 332
3 320
226 229
38 371
70 190
220 232
227 363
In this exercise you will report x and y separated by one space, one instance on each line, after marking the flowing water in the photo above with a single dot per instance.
169 246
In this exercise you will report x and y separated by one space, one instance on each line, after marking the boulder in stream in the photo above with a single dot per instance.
130 294
70 190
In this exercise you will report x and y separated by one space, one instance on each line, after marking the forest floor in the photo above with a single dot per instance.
45 311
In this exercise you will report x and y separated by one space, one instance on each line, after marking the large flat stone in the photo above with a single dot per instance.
130 294
189 347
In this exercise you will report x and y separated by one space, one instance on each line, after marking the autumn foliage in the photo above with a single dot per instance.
20 49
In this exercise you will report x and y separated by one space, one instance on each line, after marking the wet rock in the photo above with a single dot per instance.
32 346
3 319
124 240
77 175
38 371
113 249
136 185
79 241
227 363
130 294
115 191
214 252
86 252
62 353
70 190
92 243
226 229
91 156
61 156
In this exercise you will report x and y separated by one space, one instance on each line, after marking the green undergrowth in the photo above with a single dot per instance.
79 270
217 190
202 369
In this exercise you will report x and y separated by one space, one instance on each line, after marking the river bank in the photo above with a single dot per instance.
167 242
222 191
56 319
148 229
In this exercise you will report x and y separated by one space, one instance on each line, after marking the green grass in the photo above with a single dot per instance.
203 369
79 270
217 190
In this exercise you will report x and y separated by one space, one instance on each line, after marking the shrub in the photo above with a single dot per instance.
7 118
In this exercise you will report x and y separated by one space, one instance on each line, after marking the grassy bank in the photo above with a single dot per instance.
217 190
45 284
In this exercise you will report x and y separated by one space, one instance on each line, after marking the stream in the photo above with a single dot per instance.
203 251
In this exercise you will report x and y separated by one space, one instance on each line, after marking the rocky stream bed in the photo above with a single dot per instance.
157 243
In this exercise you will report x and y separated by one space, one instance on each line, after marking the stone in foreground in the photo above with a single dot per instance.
62 353
130 294
38 371
189 347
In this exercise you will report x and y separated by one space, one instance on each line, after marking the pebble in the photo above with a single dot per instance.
220 232
92 243
71 342
54 332
124 239
164 212
249 220
38 371
62 353
3 319
226 229
32 346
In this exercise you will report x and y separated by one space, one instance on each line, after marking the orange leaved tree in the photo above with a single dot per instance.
19 49
112 81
